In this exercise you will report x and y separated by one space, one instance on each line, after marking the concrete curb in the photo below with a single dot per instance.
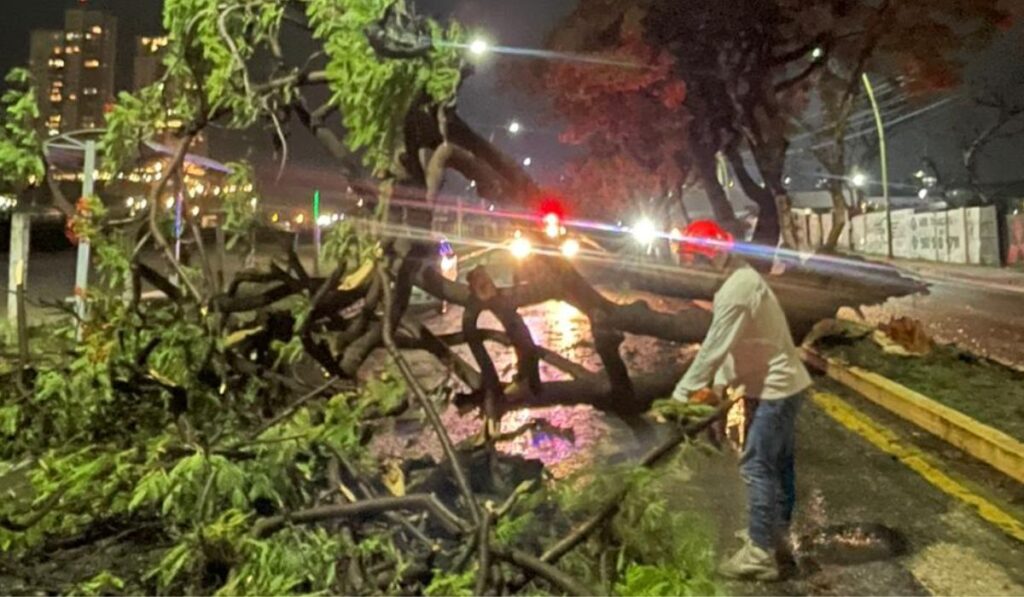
995 448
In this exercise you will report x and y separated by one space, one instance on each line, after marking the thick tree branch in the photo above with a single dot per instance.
424 401
363 508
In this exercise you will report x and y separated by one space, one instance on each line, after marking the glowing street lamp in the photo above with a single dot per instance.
859 180
479 47
527 162
514 127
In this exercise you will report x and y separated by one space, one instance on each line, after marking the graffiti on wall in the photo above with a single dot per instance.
1015 251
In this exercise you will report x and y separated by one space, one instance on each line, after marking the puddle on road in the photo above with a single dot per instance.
575 433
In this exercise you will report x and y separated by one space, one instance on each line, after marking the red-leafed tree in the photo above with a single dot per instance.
749 68
624 107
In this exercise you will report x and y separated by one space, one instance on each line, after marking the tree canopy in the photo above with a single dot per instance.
751 68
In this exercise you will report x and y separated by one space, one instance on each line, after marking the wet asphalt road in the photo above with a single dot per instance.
984 319
842 478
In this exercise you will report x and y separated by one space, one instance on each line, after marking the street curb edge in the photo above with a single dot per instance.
994 447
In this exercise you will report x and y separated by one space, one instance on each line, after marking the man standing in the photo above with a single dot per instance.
750 345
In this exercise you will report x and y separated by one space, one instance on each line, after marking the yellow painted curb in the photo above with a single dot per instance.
985 443
887 441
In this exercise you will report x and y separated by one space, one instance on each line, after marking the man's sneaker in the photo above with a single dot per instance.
750 563
785 556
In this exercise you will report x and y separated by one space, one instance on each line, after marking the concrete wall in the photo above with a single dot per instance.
966 235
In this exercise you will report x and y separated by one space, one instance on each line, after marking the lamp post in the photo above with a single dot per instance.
316 232
885 162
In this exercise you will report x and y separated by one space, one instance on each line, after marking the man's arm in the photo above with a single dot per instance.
726 325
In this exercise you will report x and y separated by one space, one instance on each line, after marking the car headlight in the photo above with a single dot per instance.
520 248
570 248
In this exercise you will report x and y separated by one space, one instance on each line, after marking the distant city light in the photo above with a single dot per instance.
527 162
923 193
817 53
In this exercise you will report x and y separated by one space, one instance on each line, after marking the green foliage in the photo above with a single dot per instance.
375 94
240 203
649 549
212 43
103 583
294 560
135 118
448 584
21 149
680 412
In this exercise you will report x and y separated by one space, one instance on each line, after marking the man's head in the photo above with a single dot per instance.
705 241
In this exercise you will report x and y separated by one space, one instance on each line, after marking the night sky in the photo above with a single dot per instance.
489 105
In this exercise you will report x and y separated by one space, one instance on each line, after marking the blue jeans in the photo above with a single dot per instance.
767 468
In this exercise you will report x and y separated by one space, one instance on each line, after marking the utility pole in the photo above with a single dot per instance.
17 273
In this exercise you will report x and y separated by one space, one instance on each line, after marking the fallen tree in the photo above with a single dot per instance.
225 429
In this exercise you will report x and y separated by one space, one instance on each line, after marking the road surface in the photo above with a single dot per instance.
857 466
986 319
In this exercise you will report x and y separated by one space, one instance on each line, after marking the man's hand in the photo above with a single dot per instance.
704 396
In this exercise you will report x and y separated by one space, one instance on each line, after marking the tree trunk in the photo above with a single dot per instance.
707 171
839 217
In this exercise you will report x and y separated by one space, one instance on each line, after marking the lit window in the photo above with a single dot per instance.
56 98
58 50
91 63
73 35
97 30
58 84
72 97
88 36
57 62
90 91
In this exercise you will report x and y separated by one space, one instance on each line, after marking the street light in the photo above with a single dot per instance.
479 47
859 180
514 127
883 155
527 162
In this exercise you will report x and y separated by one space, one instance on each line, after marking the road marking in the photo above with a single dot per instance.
887 441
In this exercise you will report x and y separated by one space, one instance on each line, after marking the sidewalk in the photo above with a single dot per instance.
1000 278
